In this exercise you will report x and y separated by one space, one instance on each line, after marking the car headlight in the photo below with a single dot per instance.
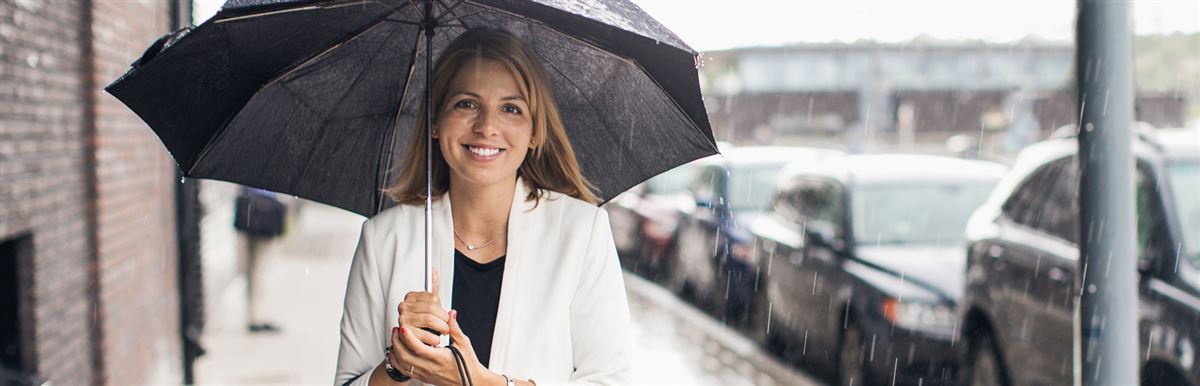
921 316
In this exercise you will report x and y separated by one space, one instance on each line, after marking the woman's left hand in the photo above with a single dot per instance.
436 365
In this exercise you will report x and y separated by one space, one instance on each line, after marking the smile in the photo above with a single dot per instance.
484 152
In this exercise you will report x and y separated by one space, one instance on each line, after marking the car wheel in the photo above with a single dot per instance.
850 358
984 367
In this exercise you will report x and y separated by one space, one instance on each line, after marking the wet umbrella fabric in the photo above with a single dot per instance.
318 98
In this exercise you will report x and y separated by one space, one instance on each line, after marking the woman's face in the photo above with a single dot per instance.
484 128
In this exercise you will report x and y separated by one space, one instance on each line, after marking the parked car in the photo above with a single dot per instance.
710 262
1017 314
644 217
863 258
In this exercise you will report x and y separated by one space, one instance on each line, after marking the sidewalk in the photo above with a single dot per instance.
305 278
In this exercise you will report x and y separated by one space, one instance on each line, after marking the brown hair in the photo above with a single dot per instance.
549 165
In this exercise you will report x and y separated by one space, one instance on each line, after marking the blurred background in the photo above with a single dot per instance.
895 203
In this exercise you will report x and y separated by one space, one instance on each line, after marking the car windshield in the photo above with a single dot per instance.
916 213
750 186
1184 179
672 181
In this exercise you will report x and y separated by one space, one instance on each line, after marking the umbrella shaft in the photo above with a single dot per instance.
428 27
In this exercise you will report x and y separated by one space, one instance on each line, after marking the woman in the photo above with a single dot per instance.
540 298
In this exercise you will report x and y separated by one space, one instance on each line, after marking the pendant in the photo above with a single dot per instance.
470 247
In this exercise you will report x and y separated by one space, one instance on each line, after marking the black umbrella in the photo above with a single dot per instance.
316 98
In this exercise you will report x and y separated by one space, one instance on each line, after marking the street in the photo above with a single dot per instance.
304 276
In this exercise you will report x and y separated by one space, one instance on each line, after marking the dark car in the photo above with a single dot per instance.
1021 290
710 261
863 261
644 218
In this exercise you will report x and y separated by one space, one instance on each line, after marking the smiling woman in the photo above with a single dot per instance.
492 64
534 279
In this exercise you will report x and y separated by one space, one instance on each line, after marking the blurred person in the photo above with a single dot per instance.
535 284
259 217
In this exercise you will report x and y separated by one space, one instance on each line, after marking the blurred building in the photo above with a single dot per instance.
874 97
97 233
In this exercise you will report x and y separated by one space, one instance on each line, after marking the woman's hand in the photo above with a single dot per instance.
421 311
436 365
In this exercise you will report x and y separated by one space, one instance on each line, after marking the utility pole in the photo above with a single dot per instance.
1106 351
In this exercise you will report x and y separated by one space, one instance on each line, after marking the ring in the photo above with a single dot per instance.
410 370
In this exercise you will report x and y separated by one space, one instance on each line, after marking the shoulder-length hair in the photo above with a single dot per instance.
549 165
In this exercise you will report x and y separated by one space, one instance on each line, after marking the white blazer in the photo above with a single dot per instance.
563 318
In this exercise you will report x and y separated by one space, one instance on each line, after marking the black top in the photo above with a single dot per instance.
476 298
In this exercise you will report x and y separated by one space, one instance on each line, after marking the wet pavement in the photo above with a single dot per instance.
305 278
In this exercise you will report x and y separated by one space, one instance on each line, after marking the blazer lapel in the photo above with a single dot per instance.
519 220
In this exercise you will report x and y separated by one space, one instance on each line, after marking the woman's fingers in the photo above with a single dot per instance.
457 336
414 345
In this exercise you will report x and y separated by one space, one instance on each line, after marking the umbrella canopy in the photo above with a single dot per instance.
318 98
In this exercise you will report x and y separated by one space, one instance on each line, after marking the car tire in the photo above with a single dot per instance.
984 366
851 364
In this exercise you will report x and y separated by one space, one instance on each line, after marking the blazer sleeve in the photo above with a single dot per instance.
601 333
360 350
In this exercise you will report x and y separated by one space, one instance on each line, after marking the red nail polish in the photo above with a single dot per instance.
401 330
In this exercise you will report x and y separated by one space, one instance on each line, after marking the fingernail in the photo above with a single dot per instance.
454 315
394 329
401 330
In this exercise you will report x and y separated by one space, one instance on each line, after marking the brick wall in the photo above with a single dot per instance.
42 179
136 216
104 298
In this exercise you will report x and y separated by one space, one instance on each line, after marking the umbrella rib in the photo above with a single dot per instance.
344 3
324 120
228 120
412 63
448 9
451 11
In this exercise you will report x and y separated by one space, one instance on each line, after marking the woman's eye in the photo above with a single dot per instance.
512 109
464 104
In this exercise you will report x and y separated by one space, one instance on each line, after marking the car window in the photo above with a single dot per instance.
819 201
1183 177
672 181
1047 200
916 212
1148 217
784 202
746 192
706 182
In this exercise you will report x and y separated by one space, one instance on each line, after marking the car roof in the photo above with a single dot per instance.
1179 143
756 155
885 168
1150 144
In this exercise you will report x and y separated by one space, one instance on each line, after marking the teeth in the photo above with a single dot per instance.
482 151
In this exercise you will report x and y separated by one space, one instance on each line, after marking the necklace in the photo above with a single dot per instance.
473 247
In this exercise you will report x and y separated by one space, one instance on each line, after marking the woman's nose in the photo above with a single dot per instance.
486 124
